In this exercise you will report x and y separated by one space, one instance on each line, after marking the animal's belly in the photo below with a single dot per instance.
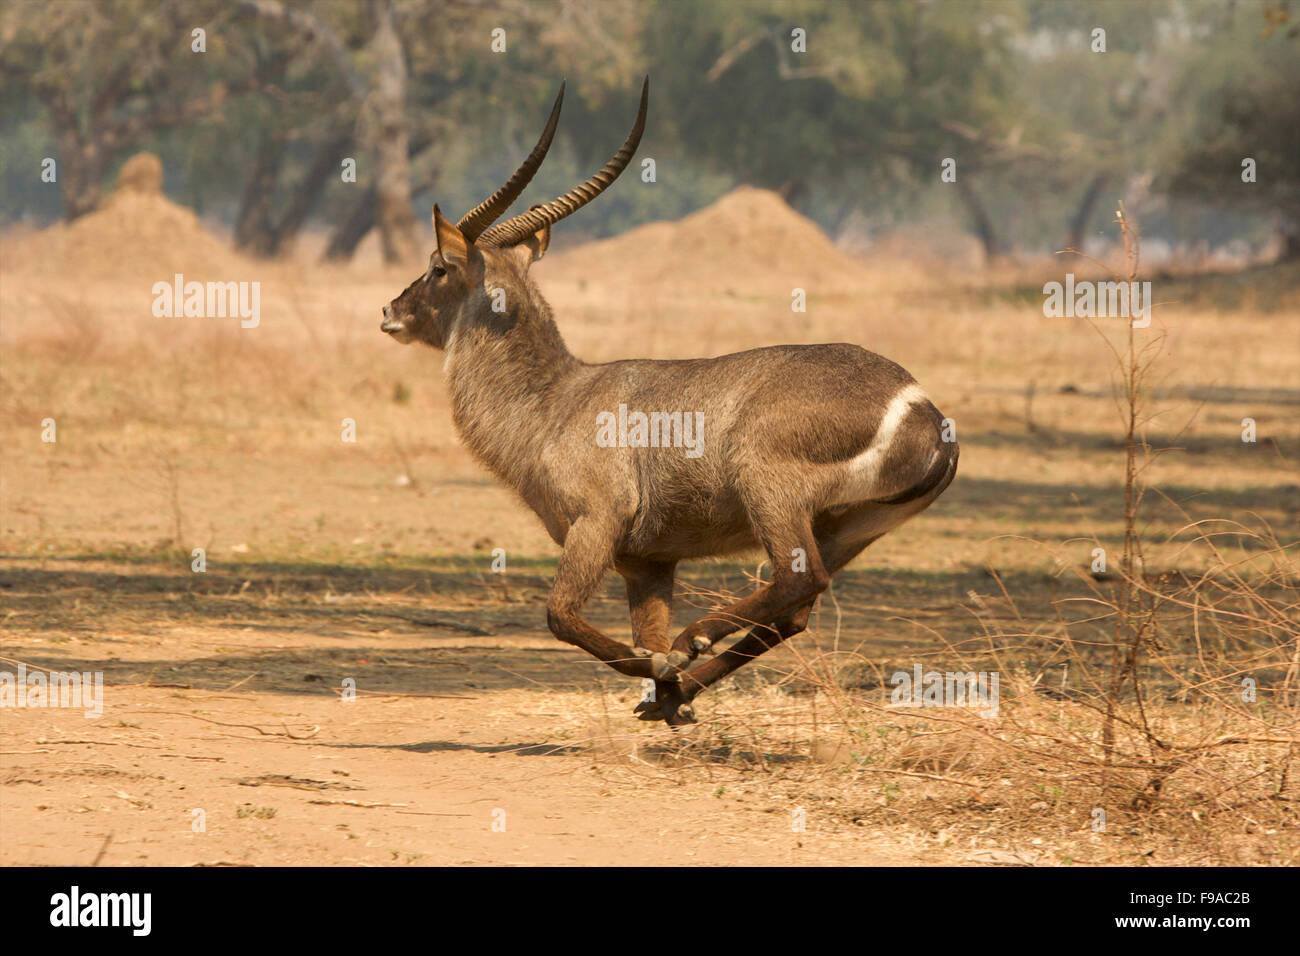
684 546
689 533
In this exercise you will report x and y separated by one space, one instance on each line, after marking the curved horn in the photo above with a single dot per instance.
481 216
520 227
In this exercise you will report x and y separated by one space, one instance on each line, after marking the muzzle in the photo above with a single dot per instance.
391 323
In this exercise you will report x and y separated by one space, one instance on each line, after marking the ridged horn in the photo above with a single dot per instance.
526 224
485 213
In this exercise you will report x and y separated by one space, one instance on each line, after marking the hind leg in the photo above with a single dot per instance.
789 589
758 641
839 541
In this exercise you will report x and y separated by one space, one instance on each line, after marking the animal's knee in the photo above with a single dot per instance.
795 622
820 580
560 618
809 583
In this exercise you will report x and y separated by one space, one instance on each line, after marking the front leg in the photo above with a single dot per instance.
588 554
649 599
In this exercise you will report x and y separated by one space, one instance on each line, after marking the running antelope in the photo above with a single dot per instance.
810 452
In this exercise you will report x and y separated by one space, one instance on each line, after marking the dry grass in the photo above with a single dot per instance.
1191 774
183 433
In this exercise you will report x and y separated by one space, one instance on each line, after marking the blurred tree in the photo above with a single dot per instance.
106 88
298 133
372 65
1093 99
828 92
847 109
415 85
1239 108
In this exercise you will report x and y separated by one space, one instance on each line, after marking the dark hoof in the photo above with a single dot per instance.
649 710
680 715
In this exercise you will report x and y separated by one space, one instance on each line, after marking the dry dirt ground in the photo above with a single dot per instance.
473 736
492 747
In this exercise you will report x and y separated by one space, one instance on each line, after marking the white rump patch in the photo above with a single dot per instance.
864 479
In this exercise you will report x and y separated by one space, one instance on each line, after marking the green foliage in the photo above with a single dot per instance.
855 125
1237 99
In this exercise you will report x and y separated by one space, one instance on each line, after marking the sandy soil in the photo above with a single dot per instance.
501 749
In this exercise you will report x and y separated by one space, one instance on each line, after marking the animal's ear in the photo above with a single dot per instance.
452 244
535 246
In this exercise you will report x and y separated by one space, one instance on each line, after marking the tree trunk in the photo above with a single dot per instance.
81 166
254 231
360 220
1288 230
980 221
793 191
325 164
1075 238
388 143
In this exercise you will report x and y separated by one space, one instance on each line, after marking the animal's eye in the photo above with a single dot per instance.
439 271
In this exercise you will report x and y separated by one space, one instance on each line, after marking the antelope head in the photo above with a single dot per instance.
474 257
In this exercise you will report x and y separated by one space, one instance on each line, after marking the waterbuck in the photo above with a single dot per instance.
810 452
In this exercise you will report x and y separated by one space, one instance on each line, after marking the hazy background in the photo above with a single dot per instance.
1046 132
